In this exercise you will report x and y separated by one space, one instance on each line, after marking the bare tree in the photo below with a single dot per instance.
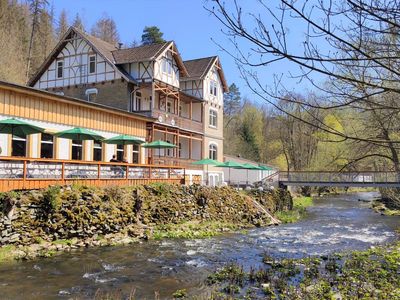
106 29
36 7
352 44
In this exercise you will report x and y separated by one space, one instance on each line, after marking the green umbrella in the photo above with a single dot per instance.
124 140
159 145
79 134
229 165
265 168
207 162
19 128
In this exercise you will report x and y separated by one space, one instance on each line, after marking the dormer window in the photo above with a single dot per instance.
60 68
91 94
213 87
92 64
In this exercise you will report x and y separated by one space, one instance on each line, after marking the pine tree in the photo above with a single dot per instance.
78 23
106 29
232 100
36 7
62 24
152 35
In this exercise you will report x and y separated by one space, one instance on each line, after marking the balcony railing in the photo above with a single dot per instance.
178 121
24 173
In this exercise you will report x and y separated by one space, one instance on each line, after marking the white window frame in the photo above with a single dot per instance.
94 62
213 88
167 66
214 148
59 64
213 117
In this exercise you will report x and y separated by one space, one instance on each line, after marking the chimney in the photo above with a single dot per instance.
120 45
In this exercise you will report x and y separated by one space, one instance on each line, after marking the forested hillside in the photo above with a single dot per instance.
29 30
293 140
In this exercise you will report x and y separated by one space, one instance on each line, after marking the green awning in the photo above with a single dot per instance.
79 134
124 140
18 128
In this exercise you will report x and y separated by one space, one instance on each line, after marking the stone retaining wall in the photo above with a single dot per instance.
81 213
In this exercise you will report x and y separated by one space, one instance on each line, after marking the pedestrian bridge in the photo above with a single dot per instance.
340 179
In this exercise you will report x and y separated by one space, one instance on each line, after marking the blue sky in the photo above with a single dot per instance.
184 21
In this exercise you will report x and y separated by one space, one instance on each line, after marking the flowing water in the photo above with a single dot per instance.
335 223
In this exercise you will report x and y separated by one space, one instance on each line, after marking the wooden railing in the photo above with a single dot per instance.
31 173
173 161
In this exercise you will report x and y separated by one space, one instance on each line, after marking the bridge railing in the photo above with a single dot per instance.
339 177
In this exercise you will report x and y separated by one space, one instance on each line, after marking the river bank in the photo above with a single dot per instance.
334 224
46 222
369 274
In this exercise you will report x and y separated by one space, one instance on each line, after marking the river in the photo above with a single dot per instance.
334 223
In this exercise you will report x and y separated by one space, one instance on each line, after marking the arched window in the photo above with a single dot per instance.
212 151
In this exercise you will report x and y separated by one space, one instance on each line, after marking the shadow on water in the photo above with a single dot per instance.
335 223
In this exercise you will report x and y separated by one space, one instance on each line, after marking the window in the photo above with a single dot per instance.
92 64
213 87
169 106
213 118
120 152
213 151
167 66
136 102
97 151
18 146
91 94
60 68
135 154
169 151
76 150
46 146
180 150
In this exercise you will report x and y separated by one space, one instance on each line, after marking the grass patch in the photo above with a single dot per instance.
299 210
192 230
7 253
369 274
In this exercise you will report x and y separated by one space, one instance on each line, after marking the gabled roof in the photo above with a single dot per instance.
149 53
141 53
101 47
199 68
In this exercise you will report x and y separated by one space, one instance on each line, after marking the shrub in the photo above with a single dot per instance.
52 197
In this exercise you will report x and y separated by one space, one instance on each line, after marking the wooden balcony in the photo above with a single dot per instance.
174 120
32 173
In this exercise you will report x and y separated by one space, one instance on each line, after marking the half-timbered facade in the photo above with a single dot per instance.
150 80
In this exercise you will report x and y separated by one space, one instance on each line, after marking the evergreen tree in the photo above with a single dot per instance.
62 24
106 29
152 35
78 23
232 100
